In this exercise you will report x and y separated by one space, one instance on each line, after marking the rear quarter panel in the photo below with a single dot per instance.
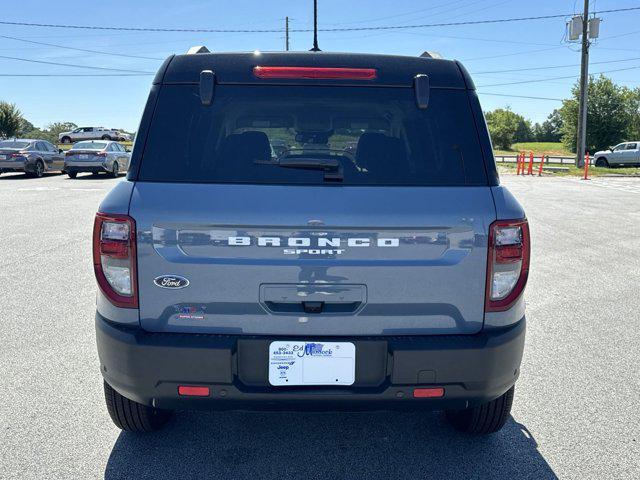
117 202
507 208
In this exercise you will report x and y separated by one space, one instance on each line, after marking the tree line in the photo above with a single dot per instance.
613 116
13 124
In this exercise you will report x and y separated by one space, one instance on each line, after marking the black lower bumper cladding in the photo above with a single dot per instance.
149 367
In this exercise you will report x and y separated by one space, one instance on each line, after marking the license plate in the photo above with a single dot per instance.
3 157
312 363
83 156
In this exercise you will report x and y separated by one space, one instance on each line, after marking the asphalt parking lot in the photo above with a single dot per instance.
575 415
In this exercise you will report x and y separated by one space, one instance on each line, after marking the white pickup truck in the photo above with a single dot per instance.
93 133
624 154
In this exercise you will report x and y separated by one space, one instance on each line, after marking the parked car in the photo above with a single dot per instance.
96 157
622 155
93 133
31 156
390 278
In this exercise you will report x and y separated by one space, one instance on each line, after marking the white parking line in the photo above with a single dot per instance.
628 185
51 189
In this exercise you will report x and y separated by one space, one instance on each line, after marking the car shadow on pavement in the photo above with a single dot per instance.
377 445
88 176
21 176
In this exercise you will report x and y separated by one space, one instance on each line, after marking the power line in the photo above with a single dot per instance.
513 54
73 65
554 78
520 96
447 4
75 74
79 49
548 67
301 30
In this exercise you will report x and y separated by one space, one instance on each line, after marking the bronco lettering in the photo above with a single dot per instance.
319 242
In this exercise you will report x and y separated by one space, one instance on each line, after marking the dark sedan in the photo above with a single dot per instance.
31 156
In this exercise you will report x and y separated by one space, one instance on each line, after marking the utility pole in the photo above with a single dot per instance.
584 86
286 33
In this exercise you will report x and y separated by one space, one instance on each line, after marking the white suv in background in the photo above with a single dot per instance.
624 154
93 133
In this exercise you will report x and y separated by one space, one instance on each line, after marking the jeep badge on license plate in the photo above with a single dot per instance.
312 363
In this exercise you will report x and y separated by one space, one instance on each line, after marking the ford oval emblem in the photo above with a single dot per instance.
171 281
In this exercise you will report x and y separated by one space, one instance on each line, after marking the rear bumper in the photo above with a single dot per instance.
148 367
93 167
21 166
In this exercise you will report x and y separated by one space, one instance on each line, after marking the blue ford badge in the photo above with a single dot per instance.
171 281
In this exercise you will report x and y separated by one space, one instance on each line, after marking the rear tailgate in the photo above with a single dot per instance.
310 260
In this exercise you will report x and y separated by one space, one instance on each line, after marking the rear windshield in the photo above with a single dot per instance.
312 135
13 144
89 146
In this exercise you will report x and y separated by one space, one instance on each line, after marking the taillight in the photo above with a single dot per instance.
114 258
316 72
101 154
19 154
507 263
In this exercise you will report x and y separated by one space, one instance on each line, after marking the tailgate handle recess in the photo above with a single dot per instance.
312 307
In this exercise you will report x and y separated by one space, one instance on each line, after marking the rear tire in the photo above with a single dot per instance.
133 416
106 137
72 174
38 170
483 419
115 170
65 139
602 162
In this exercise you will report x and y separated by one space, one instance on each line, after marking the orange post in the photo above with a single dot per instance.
522 160
586 166
530 171
518 165
541 165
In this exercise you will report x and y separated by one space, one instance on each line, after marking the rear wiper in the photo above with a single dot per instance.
331 167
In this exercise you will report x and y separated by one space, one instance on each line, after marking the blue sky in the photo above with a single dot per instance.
118 101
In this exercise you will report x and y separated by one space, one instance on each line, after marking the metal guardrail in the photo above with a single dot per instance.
548 159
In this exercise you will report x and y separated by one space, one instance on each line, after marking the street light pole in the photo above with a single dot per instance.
584 86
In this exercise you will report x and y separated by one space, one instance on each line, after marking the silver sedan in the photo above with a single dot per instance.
96 156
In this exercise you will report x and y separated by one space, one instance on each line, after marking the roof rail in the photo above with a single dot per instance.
428 54
198 49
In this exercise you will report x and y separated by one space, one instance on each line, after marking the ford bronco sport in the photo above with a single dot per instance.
371 260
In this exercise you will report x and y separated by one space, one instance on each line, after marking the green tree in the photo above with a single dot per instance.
550 130
524 132
59 127
634 123
610 115
503 126
10 119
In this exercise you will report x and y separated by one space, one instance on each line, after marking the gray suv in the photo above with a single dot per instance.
371 260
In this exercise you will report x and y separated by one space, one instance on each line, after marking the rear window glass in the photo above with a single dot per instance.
89 145
312 135
13 144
